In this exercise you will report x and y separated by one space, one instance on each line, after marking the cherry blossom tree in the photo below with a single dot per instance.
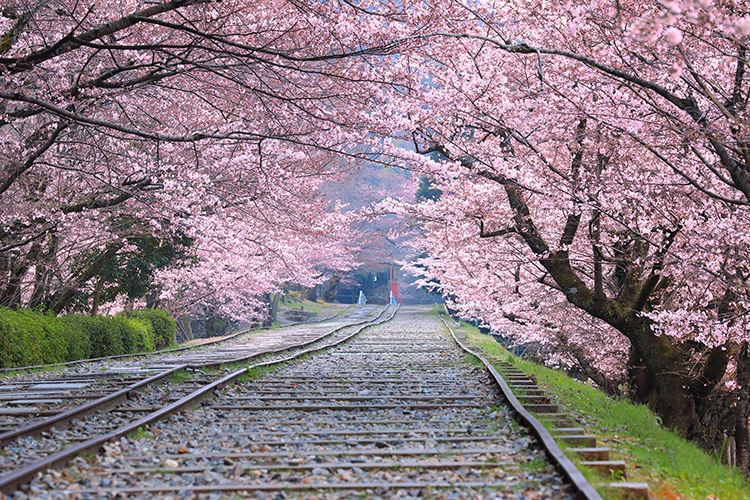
215 120
592 159
595 153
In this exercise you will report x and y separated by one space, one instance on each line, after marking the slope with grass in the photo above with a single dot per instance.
674 468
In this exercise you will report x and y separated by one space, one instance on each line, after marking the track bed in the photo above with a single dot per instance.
397 411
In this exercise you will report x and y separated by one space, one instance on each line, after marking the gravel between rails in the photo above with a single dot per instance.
396 412
96 379
132 367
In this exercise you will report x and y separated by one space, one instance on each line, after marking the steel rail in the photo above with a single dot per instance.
10 482
118 397
583 488
301 462
101 404
249 357
164 351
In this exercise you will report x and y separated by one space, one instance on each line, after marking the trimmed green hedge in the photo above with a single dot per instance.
165 326
32 338
29 338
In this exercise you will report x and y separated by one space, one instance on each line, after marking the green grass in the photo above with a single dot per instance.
256 372
180 377
308 305
472 360
436 310
674 468
142 433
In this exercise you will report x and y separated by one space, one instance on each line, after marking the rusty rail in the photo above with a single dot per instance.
14 479
584 489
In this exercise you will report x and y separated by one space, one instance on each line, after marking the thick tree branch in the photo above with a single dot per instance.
571 228
194 137
71 42
15 173
595 235
651 283
124 195
492 234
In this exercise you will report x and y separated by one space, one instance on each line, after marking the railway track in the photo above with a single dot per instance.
396 411
45 415
105 362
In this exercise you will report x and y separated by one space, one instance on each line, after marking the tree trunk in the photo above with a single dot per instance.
5 265
97 296
670 395
89 272
183 321
41 282
275 305
11 296
669 389
268 306
329 294
43 273
742 410
152 299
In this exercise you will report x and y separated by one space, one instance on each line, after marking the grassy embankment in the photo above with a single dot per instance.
307 305
320 309
674 468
